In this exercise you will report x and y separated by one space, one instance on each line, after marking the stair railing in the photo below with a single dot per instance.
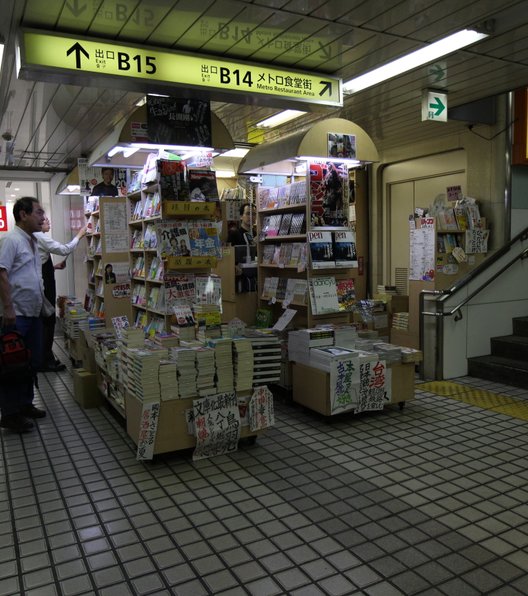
439 297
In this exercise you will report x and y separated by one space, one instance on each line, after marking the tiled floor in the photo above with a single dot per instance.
429 500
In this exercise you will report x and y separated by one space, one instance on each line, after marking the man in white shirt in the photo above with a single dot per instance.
48 246
22 296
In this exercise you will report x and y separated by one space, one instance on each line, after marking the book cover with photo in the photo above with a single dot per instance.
173 181
345 248
329 193
202 185
321 249
204 239
346 294
173 239
208 290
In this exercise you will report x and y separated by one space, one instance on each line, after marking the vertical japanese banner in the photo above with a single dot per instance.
261 412
375 386
217 425
148 427
344 384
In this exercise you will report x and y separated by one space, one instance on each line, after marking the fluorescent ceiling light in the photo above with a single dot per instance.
130 151
155 147
141 102
1 53
237 152
429 53
280 118
351 163
225 174
115 150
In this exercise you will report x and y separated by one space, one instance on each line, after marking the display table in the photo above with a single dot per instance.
311 386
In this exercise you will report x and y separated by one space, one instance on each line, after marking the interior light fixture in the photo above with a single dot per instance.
156 147
351 163
115 150
129 151
141 102
280 118
2 44
429 53
225 174
236 152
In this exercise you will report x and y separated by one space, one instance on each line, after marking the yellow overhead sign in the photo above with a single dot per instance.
61 54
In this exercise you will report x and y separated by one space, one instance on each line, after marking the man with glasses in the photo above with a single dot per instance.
22 298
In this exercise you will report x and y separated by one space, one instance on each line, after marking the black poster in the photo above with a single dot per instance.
178 121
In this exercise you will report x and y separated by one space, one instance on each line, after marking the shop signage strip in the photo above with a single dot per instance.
42 52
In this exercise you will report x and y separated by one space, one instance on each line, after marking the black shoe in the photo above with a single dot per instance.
16 423
32 412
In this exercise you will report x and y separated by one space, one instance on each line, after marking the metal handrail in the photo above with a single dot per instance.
443 295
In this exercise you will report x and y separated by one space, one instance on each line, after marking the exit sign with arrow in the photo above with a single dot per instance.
76 60
434 106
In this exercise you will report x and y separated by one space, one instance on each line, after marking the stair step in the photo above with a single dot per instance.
510 346
520 326
509 371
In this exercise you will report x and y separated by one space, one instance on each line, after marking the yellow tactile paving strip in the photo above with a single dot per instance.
481 398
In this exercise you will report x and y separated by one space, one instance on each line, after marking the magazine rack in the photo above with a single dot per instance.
312 225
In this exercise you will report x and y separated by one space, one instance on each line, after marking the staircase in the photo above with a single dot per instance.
508 361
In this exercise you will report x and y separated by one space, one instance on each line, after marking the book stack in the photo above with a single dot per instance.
166 339
74 317
132 337
184 326
400 320
411 355
300 342
185 358
388 352
142 372
243 363
223 351
323 357
168 380
205 366
345 336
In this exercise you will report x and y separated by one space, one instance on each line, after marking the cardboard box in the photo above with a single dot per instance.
86 350
85 390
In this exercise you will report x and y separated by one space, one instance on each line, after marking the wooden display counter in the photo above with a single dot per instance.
171 434
311 386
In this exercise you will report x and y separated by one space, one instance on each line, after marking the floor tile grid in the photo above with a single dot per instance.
69 484
273 457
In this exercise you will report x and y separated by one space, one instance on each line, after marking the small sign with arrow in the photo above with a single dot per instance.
434 106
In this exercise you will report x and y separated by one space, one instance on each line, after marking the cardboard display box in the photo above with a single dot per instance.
85 389
311 386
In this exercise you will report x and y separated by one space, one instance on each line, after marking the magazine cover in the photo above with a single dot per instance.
204 239
173 239
208 290
202 185
321 250
328 193
345 248
173 180
179 288
346 294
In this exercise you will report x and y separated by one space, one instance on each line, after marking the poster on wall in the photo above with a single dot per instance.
341 145
179 121
329 193
422 254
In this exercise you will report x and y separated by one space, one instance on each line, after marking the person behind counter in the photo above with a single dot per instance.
244 233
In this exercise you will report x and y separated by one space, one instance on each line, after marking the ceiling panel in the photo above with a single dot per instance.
52 125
